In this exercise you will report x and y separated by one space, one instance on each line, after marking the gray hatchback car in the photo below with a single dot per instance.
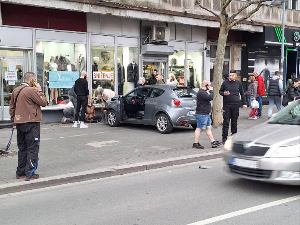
163 106
269 152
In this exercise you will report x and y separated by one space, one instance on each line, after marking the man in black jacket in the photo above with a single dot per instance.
152 80
204 96
82 91
231 90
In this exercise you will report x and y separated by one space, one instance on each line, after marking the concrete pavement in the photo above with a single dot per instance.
70 155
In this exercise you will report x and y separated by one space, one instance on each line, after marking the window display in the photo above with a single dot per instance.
58 67
103 68
195 69
176 66
127 78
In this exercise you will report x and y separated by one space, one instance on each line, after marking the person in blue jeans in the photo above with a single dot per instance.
204 96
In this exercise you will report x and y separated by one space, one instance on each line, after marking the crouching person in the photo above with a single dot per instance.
204 96
25 112
90 115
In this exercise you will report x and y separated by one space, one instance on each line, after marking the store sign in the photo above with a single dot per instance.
273 35
11 76
62 79
297 36
181 80
103 75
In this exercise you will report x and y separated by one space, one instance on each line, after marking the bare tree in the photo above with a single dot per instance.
226 23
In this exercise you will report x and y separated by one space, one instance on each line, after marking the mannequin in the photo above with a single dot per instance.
95 65
81 63
132 74
52 64
69 66
121 78
53 91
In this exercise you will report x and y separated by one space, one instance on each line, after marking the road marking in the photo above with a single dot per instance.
246 211
46 139
78 135
61 137
101 132
101 144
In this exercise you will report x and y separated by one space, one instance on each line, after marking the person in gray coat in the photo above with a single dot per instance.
252 89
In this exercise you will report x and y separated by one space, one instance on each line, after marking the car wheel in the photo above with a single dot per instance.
112 119
163 124
194 126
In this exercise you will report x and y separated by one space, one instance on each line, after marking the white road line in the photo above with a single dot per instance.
245 211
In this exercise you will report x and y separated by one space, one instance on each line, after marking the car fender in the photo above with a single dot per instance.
160 112
115 105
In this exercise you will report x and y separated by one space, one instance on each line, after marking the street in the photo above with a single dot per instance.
175 195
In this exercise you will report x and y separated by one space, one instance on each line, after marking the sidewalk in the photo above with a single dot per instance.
70 155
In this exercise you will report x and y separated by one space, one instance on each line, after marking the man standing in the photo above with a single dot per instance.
25 112
290 82
261 90
204 96
82 91
152 80
231 90
275 93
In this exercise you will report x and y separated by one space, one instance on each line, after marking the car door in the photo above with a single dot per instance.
151 104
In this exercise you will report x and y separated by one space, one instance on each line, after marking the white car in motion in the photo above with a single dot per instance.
268 152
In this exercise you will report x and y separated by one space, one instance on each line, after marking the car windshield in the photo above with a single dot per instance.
184 92
288 115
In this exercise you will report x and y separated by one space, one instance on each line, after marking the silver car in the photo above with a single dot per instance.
163 106
268 152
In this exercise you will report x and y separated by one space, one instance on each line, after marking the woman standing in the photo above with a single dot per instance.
252 89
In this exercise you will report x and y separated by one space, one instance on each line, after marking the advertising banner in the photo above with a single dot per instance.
103 75
11 76
62 79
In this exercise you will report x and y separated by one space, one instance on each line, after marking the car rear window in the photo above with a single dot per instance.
156 93
184 92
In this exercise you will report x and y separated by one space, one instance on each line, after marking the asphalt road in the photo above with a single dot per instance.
178 195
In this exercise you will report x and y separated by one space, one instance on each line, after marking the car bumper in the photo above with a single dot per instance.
182 120
273 170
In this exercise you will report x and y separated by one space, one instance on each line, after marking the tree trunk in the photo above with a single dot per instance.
218 75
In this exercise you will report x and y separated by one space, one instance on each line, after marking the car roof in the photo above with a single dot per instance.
165 86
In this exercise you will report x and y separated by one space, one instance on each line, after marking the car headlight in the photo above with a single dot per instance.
285 152
228 144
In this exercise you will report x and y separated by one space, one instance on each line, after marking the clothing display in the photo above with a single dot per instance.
132 72
121 78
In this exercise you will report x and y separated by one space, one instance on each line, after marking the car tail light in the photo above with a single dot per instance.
176 102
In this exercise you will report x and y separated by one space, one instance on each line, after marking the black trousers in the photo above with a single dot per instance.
28 138
230 113
82 102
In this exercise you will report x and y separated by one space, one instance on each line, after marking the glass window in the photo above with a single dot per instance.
128 69
58 67
195 66
176 66
156 93
184 92
213 52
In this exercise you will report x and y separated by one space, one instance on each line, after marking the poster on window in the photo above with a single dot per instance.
266 67
103 75
62 79
11 76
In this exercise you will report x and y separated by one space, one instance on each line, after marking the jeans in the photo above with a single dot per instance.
259 99
272 100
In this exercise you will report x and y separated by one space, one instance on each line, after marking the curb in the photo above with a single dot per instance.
103 173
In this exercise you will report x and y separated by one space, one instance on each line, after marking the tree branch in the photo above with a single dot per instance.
225 4
246 6
208 10
244 18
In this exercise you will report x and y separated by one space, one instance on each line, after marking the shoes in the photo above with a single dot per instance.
63 120
253 118
33 177
198 145
20 176
75 124
215 144
82 125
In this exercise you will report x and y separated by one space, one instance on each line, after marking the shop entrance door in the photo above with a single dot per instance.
13 64
150 66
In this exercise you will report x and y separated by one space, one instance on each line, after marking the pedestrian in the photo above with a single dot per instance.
294 90
26 115
203 110
261 91
152 80
290 82
231 90
90 115
105 94
172 80
159 79
275 93
82 91
252 89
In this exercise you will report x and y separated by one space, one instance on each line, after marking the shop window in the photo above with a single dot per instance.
195 69
128 69
213 51
58 67
176 66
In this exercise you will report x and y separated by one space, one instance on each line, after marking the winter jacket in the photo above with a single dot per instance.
252 89
260 86
152 80
293 92
107 95
275 87
27 109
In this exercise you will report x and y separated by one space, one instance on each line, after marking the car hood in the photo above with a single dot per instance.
269 134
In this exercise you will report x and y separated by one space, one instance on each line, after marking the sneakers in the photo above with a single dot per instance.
198 145
75 124
215 144
33 177
20 176
252 118
82 125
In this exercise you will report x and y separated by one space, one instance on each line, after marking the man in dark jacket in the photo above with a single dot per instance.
231 90
294 90
82 91
152 80
275 93
25 111
204 96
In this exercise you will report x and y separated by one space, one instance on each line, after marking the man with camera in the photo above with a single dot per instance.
231 90
26 115
204 96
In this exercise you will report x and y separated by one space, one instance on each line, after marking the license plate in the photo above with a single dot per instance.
190 113
245 163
